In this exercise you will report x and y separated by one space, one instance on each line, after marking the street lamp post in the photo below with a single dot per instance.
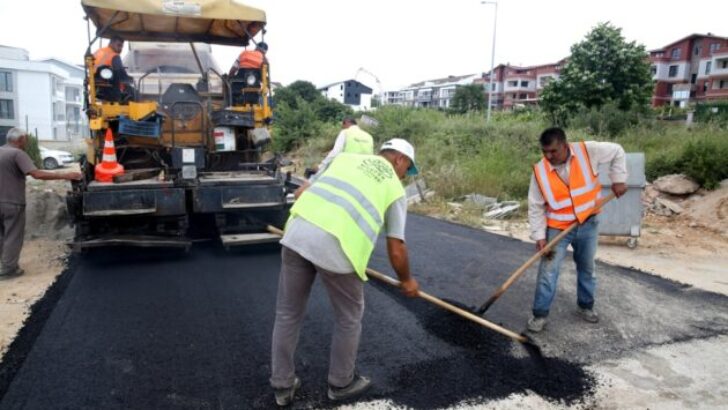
492 58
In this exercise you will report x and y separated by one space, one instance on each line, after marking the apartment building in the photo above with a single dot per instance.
692 69
44 96
350 92
437 93
515 86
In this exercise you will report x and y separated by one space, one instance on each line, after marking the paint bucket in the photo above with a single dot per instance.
224 139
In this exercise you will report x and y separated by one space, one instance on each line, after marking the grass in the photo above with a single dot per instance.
461 154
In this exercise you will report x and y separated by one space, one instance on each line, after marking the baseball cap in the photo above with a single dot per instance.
400 145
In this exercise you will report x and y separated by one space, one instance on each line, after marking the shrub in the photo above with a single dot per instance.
33 150
706 162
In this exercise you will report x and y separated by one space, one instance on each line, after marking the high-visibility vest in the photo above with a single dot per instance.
103 56
349 201
576 201
358 141
250 59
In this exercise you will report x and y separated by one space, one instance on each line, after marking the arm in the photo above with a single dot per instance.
395 220
537 214
119 69
612 154
46 175
234 68
338 149
399 258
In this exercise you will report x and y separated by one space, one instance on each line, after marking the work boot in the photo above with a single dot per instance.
536 324
588 315
12 274
284 397
358 385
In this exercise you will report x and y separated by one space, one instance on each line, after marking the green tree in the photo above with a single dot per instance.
297 89
603 68
331 110
467 98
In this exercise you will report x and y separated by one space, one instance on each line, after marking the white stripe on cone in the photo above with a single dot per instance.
108 158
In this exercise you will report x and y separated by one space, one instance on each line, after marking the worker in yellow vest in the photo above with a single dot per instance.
565 190
331 233
351 139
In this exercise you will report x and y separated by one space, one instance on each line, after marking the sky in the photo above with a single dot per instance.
398 42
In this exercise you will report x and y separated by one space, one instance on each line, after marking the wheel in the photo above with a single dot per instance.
632 243
50 163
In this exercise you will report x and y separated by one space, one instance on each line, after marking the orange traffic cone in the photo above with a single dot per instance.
108 167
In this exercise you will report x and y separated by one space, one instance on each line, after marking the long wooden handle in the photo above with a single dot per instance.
439 302
452 308
546 249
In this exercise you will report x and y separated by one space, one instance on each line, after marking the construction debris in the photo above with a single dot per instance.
676 184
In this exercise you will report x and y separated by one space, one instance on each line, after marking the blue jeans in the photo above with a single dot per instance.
584 241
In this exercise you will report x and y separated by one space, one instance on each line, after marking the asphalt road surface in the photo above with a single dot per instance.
159 329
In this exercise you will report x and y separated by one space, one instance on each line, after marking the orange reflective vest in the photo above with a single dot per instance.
250 59
575 201
103 56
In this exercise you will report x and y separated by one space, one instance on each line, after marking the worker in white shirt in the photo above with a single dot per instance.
565 190
351 139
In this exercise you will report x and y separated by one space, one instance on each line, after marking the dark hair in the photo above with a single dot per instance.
262 46
349 120
116 37
552 134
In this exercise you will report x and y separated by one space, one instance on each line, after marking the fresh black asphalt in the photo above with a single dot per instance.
142 329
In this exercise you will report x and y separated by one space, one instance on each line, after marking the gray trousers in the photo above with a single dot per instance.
346 293
12 232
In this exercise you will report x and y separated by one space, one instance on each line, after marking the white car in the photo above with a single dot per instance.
53 158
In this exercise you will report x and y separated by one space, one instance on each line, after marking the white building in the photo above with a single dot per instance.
350 92
436 93
43 96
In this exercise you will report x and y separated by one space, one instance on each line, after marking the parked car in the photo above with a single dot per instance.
53 158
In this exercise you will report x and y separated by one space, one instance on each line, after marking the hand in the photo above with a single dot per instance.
619 189
74 176
410 287
300 190
540 244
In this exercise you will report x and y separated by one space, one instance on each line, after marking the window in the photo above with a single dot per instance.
669 89
697 50
653 70
724 64
6 81
673 71
341 87
693 78
675 53
523 96
7 111
714 47
493 87
524 83
723 84
707 67
705 86
513 83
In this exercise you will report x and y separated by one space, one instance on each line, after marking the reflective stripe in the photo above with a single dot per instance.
351 190
561 217
585 171
348 207
585 207
547 189
108 158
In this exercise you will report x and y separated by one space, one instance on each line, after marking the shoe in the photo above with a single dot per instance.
358 385
536 324
284 397
588 315
13 274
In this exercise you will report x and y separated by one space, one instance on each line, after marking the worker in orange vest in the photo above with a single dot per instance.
250 58
564 190
110 56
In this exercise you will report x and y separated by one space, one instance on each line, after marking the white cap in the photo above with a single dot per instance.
400 145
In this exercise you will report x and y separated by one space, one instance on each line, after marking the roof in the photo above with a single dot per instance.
688 37
439 81
224 22
327 86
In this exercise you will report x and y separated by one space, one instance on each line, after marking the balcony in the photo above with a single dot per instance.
719 65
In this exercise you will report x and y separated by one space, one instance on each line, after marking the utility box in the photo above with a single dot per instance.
623 216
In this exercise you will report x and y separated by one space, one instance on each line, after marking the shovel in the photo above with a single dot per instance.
532 349
546 249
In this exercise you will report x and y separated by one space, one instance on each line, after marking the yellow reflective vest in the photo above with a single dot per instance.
349 201
358 141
